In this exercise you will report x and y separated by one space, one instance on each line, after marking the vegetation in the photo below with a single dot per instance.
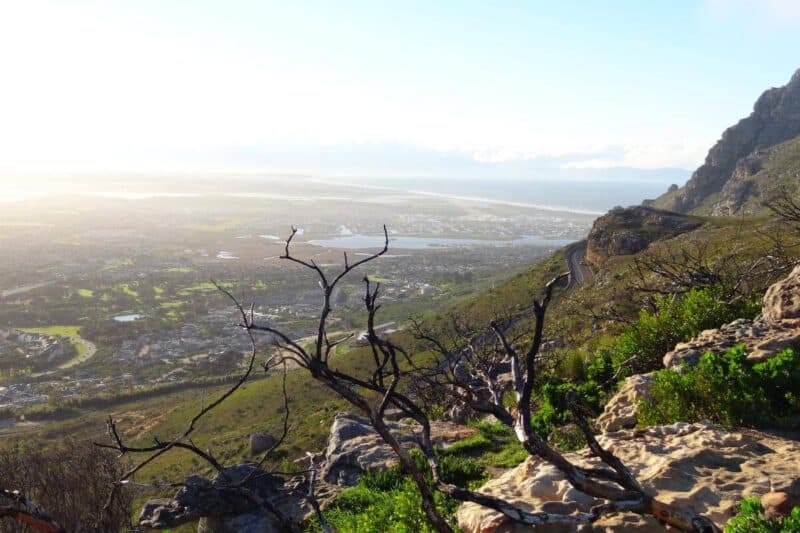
388 500
751 519
74 480
638 347
641 345
730 390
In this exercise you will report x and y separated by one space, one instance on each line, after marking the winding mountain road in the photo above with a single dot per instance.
574 256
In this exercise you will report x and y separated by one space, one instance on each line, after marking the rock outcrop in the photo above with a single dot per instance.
775 119
625 231
782 300
225 511
692 465
777 328
354 447
620 411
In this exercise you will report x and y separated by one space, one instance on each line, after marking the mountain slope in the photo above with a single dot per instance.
775 119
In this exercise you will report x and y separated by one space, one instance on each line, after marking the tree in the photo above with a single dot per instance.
467 368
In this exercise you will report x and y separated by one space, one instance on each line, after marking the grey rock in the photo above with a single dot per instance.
354 447
261 442
221 509
625 231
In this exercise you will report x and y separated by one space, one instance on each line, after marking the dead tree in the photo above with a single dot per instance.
457 367
696 265
785 206
27 512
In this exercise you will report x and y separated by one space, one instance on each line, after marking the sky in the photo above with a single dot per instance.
381 87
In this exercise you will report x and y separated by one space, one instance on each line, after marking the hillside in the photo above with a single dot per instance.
726 183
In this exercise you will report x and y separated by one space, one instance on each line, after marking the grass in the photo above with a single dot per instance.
219 227
378 279
126 289
56 331
202 286
69 332
495 445
257 408
180 270
258 405
85 293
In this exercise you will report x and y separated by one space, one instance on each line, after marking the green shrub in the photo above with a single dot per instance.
751 519
641 346
384 479
388 499
729 390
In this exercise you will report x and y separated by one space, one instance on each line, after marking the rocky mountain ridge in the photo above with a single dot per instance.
719 186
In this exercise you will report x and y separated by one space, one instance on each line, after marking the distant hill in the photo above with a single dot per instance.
758 155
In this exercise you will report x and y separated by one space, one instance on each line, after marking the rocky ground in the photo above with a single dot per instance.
693 465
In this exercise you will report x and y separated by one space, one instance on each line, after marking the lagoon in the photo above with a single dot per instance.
128 318
419 243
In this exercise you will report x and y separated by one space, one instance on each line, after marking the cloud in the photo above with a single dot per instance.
647 156
770 13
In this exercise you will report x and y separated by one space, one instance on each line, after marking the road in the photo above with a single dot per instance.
574 256
24 288
89 349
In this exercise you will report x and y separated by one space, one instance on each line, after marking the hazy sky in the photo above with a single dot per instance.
192 85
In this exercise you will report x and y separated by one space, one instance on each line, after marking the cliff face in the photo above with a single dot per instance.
630 230
774 120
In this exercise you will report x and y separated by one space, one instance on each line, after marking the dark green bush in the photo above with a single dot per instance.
751 519
641 346
729 390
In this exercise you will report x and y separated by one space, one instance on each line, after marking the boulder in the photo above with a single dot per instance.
620 411
261 442
761 339
355 447
694 465
782 300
